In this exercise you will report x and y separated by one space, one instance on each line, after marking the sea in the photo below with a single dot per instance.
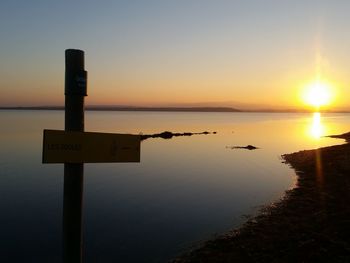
185 190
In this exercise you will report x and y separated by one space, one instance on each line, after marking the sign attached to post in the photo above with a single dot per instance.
81 82
89 147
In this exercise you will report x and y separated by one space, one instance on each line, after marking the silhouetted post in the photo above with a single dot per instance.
75 91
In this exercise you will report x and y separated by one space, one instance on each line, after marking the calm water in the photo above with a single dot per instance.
184 190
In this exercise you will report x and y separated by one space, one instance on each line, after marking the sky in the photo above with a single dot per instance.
239 53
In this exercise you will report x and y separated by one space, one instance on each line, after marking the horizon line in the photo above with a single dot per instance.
173 109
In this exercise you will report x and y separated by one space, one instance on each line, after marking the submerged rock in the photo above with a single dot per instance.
248 147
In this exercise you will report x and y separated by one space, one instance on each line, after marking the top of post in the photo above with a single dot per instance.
74 59
76 76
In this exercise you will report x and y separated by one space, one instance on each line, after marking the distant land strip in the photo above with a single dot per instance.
117 108
172 109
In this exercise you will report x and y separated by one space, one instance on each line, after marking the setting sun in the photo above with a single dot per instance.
318 94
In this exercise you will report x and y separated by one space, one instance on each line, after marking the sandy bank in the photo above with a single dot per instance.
310 224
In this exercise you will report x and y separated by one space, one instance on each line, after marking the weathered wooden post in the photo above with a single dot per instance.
75 91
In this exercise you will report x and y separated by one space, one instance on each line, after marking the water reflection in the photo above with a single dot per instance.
317 128
184 190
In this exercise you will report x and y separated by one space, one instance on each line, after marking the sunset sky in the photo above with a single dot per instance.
243 53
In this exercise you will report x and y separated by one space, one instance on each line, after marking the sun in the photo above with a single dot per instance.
317 94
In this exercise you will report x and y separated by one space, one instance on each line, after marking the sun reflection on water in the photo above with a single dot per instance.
317 129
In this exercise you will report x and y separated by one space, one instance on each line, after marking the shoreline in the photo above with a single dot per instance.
311 223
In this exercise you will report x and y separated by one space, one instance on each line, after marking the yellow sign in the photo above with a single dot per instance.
89 147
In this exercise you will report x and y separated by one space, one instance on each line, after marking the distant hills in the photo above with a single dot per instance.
176 109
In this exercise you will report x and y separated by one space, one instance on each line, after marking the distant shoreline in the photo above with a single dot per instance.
169 109
166 109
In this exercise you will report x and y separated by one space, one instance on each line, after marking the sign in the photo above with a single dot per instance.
81 81
89 147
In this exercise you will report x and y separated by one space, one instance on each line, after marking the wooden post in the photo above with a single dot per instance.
75 91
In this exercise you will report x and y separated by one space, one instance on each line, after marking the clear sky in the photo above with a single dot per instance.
258 53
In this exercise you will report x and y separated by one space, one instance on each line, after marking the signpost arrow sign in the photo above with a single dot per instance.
89 147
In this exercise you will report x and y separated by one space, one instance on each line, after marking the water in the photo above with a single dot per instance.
184 190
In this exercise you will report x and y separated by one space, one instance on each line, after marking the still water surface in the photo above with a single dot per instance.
185 189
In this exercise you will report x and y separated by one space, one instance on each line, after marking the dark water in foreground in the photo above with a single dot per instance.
184 190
